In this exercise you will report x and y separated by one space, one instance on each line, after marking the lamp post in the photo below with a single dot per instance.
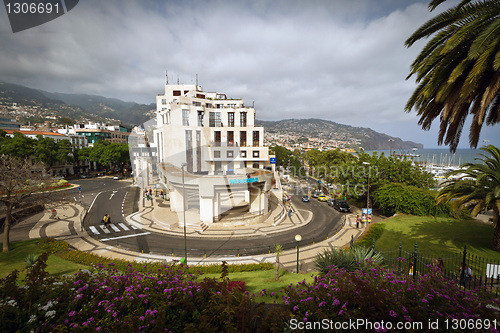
390 146
184 210
298 238
368 192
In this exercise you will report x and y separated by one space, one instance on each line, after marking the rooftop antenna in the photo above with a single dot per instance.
177 78
166 77
197 80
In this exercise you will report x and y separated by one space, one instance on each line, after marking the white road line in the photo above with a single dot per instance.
128 236
94 230
134 227
124 227
115 228
105 230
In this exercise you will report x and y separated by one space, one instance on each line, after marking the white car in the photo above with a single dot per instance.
116 177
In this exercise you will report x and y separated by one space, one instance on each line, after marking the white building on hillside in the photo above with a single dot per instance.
214 139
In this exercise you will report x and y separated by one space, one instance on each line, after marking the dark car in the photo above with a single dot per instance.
342 206
315 194
305 198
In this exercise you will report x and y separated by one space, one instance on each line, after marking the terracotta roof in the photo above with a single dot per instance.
8 131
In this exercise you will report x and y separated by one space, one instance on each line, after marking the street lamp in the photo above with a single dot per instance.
298 238
184 211
368 194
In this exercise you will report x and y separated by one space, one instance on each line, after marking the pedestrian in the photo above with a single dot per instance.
357 221
161 194
465 276
410 271
290 213
106 220
150 192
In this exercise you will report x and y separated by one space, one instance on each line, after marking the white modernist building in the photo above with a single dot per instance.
210 150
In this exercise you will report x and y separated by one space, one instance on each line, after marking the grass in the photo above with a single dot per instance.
438 236
15 259
257 280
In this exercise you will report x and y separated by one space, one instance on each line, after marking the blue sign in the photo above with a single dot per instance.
243 181
273 160
79 188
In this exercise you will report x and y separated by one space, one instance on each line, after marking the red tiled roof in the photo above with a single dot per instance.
8 131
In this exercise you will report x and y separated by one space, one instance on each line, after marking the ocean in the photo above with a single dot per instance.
441 156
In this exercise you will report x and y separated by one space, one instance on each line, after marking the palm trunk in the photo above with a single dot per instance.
6 229
496 224
277 266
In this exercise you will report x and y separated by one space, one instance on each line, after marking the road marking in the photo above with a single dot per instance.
128 236
106 231
115 228
94 230
123 226
112 194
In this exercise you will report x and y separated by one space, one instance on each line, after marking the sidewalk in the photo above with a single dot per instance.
67 226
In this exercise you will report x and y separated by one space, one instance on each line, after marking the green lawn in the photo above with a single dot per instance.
14 259
438 236
257 280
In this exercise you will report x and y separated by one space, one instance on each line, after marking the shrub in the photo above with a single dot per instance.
30 260
374 232
104 299
408 199
52 245
377 295
356 258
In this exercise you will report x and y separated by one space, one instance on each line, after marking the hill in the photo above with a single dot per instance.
325 130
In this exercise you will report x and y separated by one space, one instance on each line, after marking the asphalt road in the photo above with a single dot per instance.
119 199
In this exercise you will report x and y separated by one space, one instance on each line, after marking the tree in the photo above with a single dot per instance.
477 188
19 180
278 249
458 71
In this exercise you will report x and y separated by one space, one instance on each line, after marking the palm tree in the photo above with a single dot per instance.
278 249
478 188
458 71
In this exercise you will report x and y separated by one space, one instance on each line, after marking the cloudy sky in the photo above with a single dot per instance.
340 60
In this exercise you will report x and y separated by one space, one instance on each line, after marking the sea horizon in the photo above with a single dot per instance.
440 156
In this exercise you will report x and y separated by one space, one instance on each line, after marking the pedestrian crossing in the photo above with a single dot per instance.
115 227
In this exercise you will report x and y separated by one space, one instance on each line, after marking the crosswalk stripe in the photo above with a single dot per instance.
134 227
115 228
124 227
94 230
105 230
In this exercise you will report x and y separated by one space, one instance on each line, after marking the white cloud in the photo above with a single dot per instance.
338 60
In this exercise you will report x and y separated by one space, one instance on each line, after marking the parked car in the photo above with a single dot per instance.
305 198
342 206
315 194
331 202
322 197
116 178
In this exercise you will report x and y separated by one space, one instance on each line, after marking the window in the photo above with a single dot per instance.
256 153
214 119
230 138
185 117
230 154
164 101
243 119
230 119
201 118
189 150
176 92
255 165
196 103
216 153
243 153
217 140
256 138
243 138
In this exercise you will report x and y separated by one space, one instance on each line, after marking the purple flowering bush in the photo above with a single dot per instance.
378 294
107 300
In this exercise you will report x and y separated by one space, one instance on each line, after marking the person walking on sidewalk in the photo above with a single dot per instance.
290 213
357 221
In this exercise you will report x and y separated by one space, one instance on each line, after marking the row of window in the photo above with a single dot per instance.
243 138
214 119
230 154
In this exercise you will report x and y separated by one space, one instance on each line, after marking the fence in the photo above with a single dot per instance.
485 272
